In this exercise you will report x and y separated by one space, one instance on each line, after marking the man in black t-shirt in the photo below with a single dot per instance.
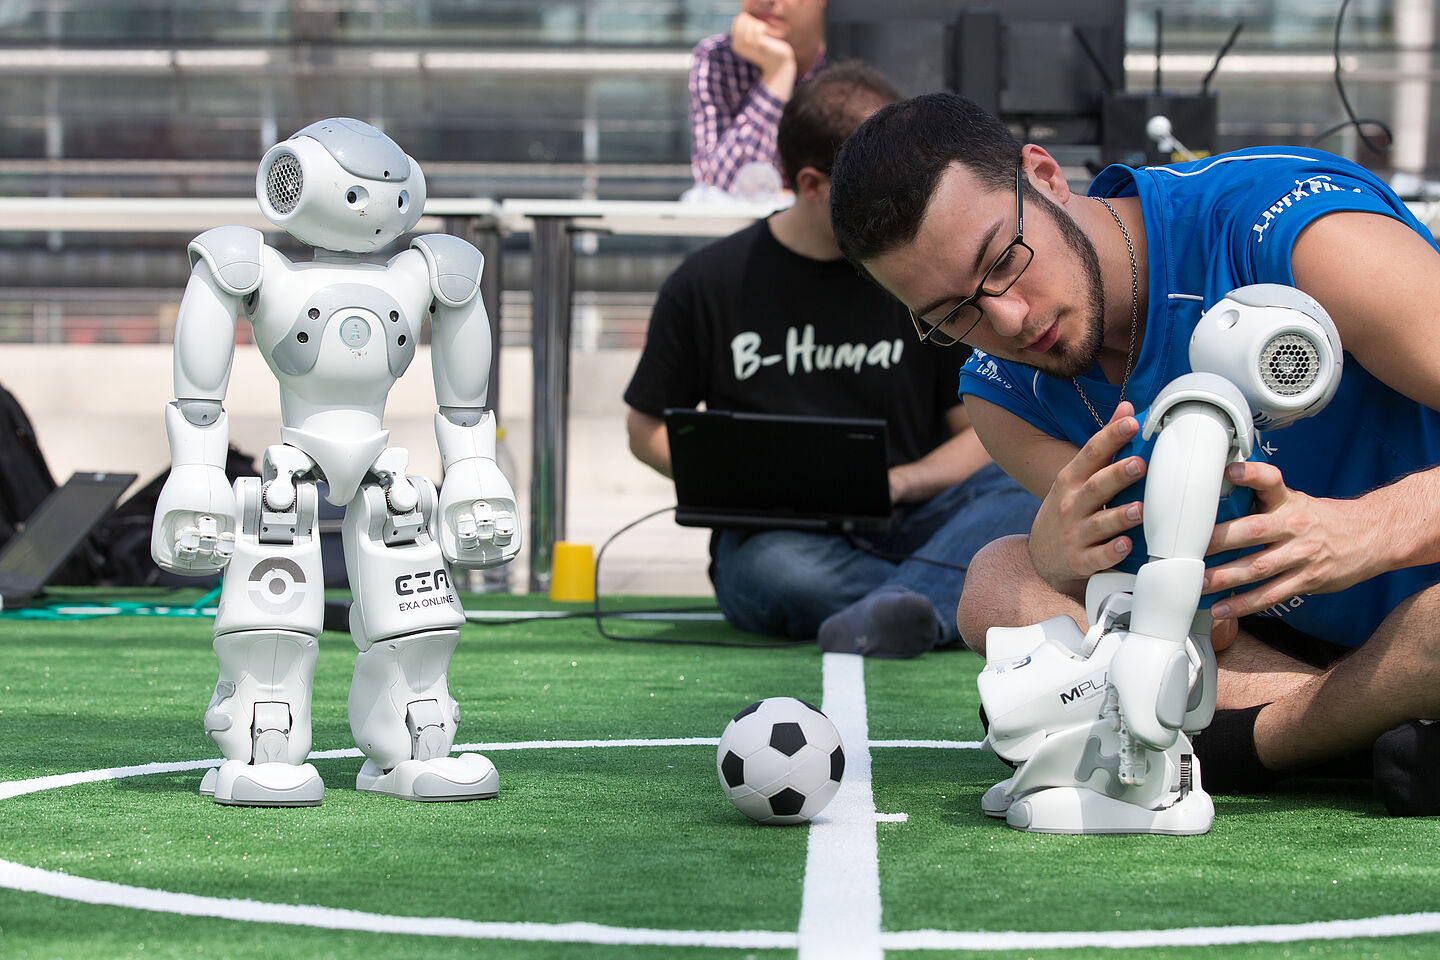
772 319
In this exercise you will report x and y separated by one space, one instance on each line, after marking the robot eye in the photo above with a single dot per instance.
357 197
404 200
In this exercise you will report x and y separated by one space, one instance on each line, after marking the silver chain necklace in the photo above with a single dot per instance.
1134 318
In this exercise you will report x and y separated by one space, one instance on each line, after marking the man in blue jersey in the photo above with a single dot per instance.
1079 308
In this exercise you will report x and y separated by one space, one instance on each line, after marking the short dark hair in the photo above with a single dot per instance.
826 109
887 170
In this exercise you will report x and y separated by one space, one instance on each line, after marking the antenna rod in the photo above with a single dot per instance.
1095 61
1159 46
1224 49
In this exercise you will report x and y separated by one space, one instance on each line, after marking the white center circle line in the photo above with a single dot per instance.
16 876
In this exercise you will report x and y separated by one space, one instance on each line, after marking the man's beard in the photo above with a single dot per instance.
1067 360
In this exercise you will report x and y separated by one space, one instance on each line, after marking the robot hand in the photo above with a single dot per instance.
478 521
195 521
197 514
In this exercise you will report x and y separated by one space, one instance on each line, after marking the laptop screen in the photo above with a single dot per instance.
56 528
771 471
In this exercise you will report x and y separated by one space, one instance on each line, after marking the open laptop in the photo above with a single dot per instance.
769 471
63 519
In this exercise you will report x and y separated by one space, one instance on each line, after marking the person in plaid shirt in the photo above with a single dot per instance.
740 81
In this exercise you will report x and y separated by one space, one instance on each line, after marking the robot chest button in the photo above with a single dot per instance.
354 332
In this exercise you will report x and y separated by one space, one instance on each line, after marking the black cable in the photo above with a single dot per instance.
599 614
588 613
874 551
1353 120
688 641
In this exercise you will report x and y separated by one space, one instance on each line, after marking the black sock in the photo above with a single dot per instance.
890 622
1226 750
1407 769
1353 766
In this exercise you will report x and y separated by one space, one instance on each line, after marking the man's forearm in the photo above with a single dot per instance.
648 441
954 461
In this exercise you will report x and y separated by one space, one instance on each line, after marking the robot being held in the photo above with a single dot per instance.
336 333
1098 724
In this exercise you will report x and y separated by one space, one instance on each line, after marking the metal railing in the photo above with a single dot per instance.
552 225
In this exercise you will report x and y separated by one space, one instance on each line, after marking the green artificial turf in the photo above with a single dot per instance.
636 836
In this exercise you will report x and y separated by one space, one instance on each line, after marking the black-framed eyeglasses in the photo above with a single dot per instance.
1001 276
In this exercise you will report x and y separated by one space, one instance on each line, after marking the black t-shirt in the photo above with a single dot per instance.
745 324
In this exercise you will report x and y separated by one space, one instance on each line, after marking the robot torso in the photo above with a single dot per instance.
337 336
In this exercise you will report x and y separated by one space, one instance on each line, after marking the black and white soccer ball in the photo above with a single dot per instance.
780 760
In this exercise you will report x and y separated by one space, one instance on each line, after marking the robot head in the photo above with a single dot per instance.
341 185
1277 345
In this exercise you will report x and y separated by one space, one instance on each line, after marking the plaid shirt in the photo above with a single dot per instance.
733 116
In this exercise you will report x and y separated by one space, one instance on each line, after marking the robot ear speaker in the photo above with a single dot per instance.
1290 363
284 181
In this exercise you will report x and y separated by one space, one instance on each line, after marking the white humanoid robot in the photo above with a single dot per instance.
336 333
1098 724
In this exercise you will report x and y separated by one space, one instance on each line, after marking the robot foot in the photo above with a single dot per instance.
466 777
1080 810
273 784
997 800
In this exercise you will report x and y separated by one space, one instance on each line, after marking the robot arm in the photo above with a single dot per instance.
197 515
1265 355
1200 423
478 519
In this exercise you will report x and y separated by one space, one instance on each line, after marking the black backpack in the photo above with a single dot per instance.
25 477
25 481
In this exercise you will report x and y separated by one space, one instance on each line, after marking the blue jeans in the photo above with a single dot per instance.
786 582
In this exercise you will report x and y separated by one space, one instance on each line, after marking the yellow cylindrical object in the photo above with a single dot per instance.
572 573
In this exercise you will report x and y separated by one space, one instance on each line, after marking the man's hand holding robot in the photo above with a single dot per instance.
1098 723
1078 531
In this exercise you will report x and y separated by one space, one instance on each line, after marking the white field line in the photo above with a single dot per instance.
17 876
1396 925
930 744
16 788
840 907
29 879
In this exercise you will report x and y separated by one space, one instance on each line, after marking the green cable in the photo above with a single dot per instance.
120 608
61 610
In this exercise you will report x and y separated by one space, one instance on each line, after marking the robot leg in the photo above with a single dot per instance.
1039 681
1053 714
405 620
266 640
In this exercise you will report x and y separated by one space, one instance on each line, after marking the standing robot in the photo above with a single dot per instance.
336 333
1098 724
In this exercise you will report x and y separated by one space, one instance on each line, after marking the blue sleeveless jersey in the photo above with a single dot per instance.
1211 226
